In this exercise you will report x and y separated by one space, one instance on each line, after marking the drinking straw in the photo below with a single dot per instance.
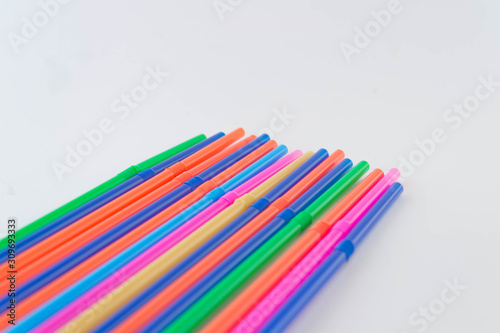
116 186
129 238
232 261
204 257
43 231
220 293
278 295
221 204
342 252
166 261
97 216
166 243
277 271
72 238
102 234
283 265
111 266
139 247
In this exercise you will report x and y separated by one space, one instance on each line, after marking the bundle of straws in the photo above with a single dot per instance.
218 234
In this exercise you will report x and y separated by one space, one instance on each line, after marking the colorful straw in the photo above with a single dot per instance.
94 204
205 236
206 181
250 296
97 276
129 238
116 186
246 249
168 260
275 298
166 243
342 252
69 246
247 217
77 227
206 305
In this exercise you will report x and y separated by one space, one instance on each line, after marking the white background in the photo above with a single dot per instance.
275 55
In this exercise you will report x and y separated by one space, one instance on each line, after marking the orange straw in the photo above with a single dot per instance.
163 179
243 303
73 241
168 295
64 281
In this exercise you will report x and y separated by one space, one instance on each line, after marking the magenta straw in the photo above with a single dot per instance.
268 306
127 271
218 206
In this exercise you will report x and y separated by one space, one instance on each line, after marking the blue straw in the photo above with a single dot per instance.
110 267
108 196
170 313
254 210
309 288
117 232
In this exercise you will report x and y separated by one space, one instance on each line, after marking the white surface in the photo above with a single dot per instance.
274 55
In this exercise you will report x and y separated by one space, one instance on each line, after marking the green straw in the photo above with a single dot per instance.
221 292
104 187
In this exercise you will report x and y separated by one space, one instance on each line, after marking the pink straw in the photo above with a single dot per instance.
266 308
126 272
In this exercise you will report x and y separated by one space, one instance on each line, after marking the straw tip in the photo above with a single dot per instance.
363 164
240 131
296 153
282 147
264 137
272 143
398 187
347 161
393 175
339 152
309 154
322 152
